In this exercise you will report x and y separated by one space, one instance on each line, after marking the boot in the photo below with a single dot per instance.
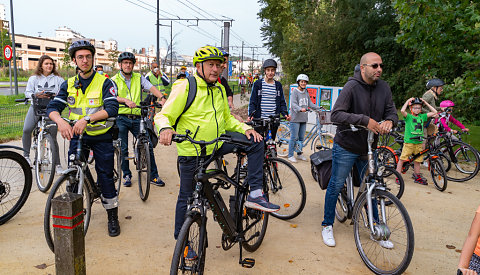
113 225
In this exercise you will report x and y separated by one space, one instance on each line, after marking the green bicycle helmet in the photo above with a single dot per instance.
207 53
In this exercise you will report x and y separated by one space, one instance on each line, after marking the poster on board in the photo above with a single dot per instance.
325 98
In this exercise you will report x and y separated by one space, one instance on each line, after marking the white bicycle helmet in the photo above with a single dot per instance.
302 77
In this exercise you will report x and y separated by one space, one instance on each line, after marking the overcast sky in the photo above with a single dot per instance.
134 26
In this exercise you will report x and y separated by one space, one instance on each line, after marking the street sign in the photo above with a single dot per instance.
7 52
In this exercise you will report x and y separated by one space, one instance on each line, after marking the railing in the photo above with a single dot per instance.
12 118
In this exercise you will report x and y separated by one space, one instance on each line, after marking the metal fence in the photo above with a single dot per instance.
12 118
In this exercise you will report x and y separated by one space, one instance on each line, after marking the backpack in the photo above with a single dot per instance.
321 167
192 92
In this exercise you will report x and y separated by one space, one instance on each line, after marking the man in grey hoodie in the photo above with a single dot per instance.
364 100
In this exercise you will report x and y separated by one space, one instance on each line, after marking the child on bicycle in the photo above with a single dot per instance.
470 258
446 116
413 129
300 102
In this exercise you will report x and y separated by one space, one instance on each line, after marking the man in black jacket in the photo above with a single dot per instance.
364 100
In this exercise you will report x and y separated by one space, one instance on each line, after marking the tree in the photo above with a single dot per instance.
66 56
445 36
5 40
113 57
171 49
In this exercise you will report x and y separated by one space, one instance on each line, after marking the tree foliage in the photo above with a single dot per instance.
445 36
325 39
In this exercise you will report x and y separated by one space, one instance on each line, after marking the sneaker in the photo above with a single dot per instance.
261 203
302 157
327 234
127 181
385 244
189 253
292 159
58 169
420 180
157 181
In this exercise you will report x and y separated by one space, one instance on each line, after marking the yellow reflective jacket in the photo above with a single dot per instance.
209 112
132 94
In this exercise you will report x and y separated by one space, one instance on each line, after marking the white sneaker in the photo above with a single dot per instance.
425 163
302 157
327 234
292 159
385 244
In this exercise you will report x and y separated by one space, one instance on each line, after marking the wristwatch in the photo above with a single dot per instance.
87 119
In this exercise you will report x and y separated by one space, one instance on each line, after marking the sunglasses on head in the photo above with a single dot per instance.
374 65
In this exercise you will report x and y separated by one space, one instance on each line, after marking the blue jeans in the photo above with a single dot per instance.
297 135
342 163
133 125
255 153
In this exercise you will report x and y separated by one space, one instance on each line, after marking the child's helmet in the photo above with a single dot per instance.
416 101
446 104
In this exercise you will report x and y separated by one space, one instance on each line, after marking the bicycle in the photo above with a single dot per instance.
283 182
43 144
76 179
463 156
377 215
321 138
15 182
389 157
241 225
141 143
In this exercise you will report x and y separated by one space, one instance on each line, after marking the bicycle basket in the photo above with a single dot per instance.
324 117
40 105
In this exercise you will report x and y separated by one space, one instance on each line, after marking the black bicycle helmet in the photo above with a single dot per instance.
417 101
181 74
435 82
128 56
80 45
269 63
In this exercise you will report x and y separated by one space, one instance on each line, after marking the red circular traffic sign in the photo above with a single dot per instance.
8 52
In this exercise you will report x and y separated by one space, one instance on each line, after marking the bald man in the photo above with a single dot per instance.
365 100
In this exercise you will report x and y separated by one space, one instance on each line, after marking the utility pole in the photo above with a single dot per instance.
171 50
158 33
225 45
241 64
14 52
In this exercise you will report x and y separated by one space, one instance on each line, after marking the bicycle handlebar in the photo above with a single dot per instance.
265 121
225 138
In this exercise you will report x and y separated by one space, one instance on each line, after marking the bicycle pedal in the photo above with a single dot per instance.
248 262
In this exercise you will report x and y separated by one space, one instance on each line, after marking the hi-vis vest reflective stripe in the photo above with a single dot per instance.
81 104
133 94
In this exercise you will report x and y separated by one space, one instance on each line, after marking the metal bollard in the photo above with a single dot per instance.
69 241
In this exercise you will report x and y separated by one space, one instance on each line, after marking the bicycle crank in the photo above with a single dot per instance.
226 242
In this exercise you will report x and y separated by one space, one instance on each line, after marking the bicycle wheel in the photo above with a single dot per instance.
143 169
66 183
324 142
465 166
393 225
285 188
44 163
394 182
117 168
341 209
254 227
282 138
438 174
15 184
192 238
387 157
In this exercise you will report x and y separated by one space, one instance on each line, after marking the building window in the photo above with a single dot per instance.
32 59
50 49
100 54
61 50
33 47
18 45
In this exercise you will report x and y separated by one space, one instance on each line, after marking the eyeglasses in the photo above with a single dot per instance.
82 57
374 65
